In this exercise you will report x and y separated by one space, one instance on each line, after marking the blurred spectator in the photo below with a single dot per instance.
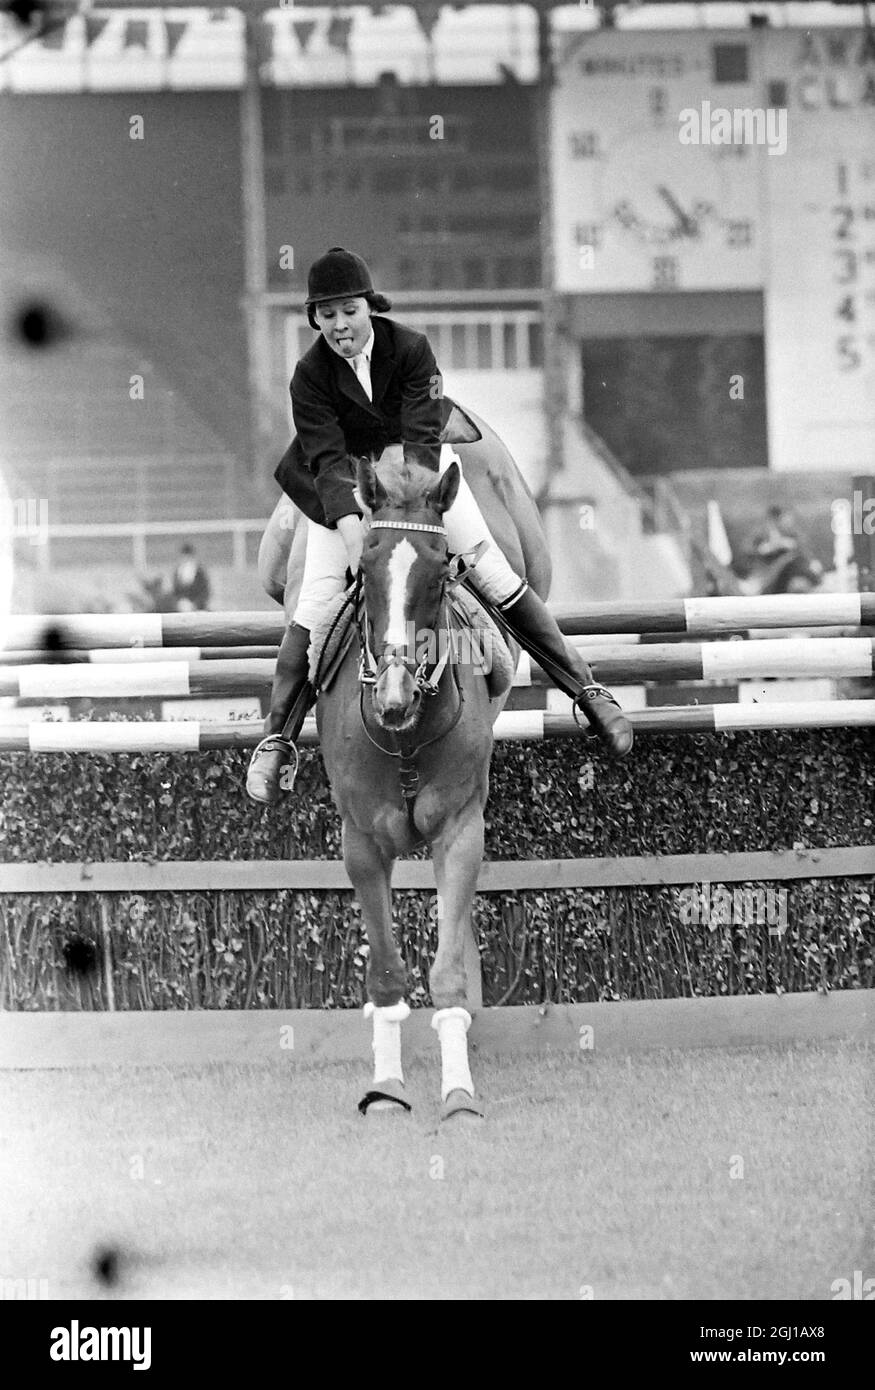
156 595
776 562
191 583
779 537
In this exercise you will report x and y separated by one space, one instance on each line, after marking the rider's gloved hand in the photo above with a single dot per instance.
351 528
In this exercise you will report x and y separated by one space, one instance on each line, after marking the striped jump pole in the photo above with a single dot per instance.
836 657
133 680
851 657
101 656
109 736
697 616
86 630
700 616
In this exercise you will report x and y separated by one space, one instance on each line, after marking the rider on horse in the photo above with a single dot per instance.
364 384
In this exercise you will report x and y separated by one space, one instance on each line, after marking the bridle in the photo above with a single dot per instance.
370 671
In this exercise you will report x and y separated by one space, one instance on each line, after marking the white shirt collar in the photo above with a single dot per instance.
366 350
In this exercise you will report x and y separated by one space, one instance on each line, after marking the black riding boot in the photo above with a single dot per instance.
290 698
529 620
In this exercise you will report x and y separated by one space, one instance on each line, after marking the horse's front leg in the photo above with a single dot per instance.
371 875
457 854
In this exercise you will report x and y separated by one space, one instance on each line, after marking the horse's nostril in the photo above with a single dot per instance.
395 712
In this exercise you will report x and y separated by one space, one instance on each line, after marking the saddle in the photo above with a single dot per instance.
476 636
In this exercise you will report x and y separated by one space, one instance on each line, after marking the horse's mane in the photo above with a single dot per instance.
406 483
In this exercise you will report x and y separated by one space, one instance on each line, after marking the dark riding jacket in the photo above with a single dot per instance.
334 418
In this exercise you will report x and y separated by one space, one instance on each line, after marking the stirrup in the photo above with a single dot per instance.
589 692
273 744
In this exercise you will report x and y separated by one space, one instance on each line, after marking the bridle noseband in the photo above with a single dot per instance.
370 671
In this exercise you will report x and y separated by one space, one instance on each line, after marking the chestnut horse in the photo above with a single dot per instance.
392 721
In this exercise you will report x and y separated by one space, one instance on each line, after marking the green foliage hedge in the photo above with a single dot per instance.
677 795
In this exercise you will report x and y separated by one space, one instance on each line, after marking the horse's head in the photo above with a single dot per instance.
404 568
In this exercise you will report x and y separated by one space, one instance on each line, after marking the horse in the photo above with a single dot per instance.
407 745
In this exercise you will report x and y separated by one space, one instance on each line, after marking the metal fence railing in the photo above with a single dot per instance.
239 536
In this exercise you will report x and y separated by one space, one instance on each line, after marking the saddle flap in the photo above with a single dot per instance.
495 656
330 640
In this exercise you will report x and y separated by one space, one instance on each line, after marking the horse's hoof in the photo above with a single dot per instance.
385 1095
461 1103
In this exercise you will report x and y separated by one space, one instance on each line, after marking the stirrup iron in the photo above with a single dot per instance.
587 693
271 744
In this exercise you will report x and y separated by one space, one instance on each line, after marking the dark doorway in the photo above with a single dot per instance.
666 404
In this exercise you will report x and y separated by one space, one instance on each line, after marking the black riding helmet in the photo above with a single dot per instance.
337 274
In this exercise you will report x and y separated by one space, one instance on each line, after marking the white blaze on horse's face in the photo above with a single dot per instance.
401 562
396 694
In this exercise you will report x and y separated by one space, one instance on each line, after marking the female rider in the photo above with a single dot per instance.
368 382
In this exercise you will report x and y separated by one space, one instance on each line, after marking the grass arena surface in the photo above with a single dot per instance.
592 1172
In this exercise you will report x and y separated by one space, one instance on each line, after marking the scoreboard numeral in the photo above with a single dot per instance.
739 233
665 272
848 261
585 144
849 356
846 310
657 100
588 234
625 214
845 217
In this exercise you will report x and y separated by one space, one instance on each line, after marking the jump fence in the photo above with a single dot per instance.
691 615
140 851
206 656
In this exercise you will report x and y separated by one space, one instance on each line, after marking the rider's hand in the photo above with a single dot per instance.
352 529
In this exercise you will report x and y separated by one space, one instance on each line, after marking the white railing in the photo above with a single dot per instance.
134 488
498 339
139 532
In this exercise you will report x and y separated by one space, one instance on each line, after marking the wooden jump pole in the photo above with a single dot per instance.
692 615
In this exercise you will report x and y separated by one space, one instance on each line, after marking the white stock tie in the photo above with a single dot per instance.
362 369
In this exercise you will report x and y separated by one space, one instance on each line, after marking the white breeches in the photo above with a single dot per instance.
326 560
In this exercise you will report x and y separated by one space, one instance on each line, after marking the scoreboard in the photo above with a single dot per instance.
634 208
820 285
734 160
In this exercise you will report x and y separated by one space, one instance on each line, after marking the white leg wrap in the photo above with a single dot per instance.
451 1026
387 1039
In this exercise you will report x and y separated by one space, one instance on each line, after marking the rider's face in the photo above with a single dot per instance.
345 324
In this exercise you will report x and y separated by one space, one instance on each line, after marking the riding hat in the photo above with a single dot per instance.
339 274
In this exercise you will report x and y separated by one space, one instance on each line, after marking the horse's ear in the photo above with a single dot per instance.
443 495
370 489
